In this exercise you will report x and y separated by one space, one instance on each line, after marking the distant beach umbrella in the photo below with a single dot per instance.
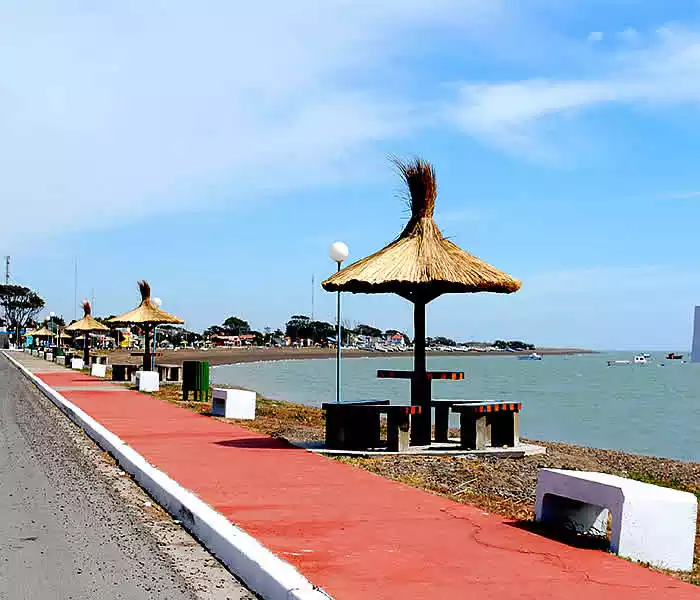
420 265
147 315
86 325
41 332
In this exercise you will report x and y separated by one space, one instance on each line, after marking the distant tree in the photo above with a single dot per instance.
56 321
214 330
443 341
513 345
298 327
19 305
321 331
367 330
236 326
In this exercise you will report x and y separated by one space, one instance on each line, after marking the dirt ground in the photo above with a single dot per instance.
230 356
502 486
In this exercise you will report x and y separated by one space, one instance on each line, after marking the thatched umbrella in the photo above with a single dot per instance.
146 315
39 333
86 325
420 265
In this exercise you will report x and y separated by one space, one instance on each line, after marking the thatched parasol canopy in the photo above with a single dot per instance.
146 315
421 261
420 265
41 332
87 323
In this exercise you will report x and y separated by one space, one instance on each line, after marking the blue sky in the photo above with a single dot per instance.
217 149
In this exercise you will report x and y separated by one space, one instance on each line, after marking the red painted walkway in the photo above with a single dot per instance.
355 534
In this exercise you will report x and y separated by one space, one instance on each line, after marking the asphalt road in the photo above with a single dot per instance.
64 532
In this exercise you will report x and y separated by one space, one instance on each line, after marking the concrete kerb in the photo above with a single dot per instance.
262 571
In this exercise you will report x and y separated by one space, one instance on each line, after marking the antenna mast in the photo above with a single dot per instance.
313 296
7 270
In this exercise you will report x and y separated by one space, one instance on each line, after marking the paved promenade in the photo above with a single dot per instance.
356 535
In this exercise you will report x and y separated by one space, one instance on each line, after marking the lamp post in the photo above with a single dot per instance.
156 302
338 252
51 316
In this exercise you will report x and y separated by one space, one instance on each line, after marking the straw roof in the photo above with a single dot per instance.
146 313
421 261
41 332
87 323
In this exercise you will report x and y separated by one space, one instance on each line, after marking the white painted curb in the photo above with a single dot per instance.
263 572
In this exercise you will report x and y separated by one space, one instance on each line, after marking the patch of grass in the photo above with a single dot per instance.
672 483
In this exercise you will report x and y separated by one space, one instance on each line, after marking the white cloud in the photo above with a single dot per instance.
117 111
629 35
595 36
520 115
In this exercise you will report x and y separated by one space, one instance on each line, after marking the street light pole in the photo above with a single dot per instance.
338 252
157 303
51 316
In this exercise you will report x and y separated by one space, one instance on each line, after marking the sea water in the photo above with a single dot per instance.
647 409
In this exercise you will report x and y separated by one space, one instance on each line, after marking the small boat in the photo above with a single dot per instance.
674 356
533 356
640 359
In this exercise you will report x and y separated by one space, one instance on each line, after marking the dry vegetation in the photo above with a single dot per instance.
500 485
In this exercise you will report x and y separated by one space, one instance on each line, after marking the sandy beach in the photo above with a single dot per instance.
232 356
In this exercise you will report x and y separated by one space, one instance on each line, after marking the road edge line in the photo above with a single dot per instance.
261 570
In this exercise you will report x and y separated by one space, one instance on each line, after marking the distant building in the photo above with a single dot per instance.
230 341
395 340
695 352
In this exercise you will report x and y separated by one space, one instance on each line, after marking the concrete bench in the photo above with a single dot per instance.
650 524
442 408
357 425
169 373
123 371
147 381
488 423
233 404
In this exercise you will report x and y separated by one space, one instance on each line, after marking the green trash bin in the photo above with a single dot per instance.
195 378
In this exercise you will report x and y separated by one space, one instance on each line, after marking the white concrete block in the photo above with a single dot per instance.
76 363
98 370
49 356
233 404
147 381
650 524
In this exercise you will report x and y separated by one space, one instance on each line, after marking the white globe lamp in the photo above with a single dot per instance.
156 302
339 252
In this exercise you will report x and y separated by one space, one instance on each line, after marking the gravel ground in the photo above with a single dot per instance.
74 526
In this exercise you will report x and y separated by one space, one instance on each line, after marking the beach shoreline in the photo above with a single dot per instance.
233 356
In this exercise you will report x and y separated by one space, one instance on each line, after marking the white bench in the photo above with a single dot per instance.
650 524
147 381
233 404
98 370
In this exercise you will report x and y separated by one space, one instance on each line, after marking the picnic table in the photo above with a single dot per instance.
169 373
356 425
123 371
487 423
441 414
